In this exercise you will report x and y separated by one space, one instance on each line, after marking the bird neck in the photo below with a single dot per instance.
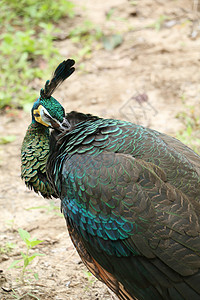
34 155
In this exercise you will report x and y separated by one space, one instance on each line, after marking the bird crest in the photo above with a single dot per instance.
63 71
52 106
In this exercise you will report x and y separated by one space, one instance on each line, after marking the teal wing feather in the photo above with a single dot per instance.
180 163
130 196
123 207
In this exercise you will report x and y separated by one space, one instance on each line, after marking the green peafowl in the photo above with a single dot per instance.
130 196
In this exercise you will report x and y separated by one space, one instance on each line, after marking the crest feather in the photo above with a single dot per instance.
63 71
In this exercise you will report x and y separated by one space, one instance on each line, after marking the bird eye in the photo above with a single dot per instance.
36 115
46 116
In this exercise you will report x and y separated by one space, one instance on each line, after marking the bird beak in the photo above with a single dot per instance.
64 126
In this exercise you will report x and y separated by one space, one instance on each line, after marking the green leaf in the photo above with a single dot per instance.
33 296
110 13
14 263
37 254
24 235
30 258
36 276
110 42
37 207
27 261
34 243
7 139
85 51
28 243
10 245
23 255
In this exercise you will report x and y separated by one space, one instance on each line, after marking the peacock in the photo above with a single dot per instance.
130 196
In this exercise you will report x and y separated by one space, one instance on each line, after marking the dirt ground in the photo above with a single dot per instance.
158 61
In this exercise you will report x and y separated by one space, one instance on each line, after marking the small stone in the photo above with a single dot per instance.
67 284
94 101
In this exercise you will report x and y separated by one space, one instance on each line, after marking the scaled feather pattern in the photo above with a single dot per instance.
130 197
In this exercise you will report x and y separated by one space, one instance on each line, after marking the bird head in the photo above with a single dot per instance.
48 112
46 109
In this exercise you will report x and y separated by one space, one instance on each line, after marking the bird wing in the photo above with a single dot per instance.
95 268
124 206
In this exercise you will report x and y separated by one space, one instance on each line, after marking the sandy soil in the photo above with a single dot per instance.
159 65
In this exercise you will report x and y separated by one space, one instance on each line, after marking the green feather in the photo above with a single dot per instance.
130 196
34 155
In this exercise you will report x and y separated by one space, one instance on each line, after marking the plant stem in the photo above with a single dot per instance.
24 266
